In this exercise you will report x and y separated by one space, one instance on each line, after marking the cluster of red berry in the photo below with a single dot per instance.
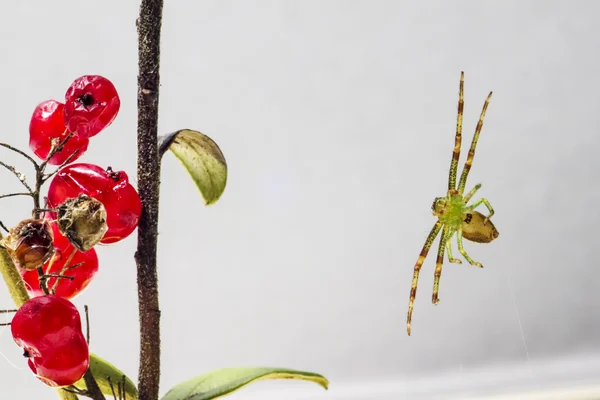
91 104
86 205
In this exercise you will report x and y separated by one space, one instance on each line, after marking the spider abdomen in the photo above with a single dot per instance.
473 228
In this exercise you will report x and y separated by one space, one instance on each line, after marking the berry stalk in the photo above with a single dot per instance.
149 27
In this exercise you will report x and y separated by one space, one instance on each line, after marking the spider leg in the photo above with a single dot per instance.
413 288
469 162
461 249
471 193
487 205
458 137
438 265
449 248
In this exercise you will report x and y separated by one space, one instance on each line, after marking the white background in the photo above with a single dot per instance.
337 121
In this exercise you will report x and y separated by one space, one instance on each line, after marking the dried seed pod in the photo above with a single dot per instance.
82 220
30 243
474 229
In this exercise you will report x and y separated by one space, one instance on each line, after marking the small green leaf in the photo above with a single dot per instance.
105 373
202 158
64 395
224 381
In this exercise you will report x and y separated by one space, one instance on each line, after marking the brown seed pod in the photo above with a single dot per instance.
82 220
474 230
30 244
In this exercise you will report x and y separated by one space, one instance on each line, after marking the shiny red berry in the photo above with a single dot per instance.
83 272
111 188
48 329
91 104
48 123
64 360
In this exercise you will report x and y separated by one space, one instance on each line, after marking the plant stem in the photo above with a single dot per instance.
12 278
148 169
93 391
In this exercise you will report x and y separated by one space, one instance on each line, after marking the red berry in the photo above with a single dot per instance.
47 123
64 360
112 189
82 274
48 329
91 104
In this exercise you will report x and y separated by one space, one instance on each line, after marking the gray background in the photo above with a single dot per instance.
337 121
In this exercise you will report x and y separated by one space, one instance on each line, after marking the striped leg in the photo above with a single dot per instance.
413 288
449 248
471 193
462 250
469 162
487 205
438 265
458 137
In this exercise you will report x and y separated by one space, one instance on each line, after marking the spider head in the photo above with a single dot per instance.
438 206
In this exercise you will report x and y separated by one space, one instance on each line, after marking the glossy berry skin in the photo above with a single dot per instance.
91 104
48 329
121 200
47 123
83 274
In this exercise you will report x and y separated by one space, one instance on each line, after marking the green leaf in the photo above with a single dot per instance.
202 158
64 395
224 381
105 373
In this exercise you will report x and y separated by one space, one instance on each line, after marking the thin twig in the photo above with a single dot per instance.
75 390
148 172
112 388
46 210
56 147
4 227
59 276
7 311
41 170
120 389
76 265
21 152
61 166
14 194
124 397
20 176
64 269
43 278
87 324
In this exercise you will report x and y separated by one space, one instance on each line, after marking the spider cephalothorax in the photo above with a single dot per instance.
455 214
449 209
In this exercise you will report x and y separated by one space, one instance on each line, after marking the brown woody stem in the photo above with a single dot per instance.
148 169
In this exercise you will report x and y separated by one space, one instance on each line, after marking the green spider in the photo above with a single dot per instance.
455 215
